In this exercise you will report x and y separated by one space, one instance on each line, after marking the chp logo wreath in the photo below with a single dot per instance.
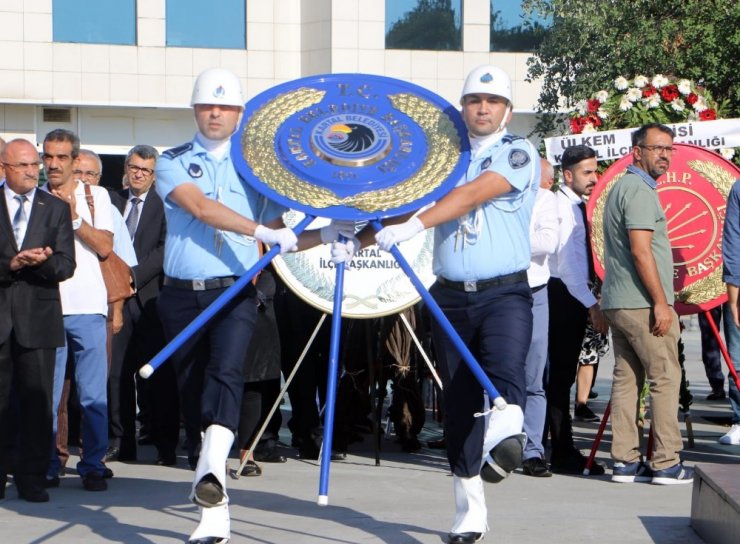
635 102
638 101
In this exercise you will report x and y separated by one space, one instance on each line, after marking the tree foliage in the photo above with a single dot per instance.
592 43
430 25
523 37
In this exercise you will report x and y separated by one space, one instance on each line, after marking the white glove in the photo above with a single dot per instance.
342 252
331 232
395 234
284 237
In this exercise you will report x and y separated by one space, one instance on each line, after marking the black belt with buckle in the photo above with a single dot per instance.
201 285
474 286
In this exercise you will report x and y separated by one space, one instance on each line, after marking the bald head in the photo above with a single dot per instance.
21 162
10 149
548 174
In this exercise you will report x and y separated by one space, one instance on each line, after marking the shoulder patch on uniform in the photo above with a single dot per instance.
195 170
177 151
508 138
518 158
485 164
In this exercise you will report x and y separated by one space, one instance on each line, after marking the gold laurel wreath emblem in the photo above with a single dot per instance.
703 290
258 149
384 293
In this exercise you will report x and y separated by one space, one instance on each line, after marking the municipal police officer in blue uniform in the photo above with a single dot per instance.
214 221
481 256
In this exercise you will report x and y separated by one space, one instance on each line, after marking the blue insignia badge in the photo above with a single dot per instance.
195 170
486 164
352 147
518 158
219 91
486 78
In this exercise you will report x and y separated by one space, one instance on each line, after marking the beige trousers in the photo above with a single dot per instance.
639 355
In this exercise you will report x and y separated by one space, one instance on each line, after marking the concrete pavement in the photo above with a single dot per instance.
407 499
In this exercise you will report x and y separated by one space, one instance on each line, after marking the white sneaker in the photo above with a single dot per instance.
732 437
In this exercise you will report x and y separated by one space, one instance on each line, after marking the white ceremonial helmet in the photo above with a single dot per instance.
217 86
489 80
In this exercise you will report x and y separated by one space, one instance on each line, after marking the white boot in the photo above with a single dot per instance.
209 484
503 443
214 526
471 514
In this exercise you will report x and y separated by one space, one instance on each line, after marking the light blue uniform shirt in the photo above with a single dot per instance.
494 240
194 250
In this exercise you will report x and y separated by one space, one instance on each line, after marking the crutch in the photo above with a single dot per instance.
275 406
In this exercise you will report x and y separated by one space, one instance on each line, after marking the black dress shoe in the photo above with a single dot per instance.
464 538
112 454
3 481
94 481
127 455
209 540
440 444
717 394
311 453
51 482
193 461
536 467
308 452
269 456
583 413
34 494
251 469
167 459
31 489
575 465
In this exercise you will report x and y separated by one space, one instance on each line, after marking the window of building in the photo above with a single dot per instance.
514 30
216 24
423 24
94 21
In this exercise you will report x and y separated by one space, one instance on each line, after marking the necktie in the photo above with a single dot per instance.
20 220
589 255
133 216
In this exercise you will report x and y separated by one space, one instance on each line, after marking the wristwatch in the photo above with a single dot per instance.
76 223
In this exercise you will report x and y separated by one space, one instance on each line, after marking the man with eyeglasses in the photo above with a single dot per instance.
637 299
141 336
89 170
36 253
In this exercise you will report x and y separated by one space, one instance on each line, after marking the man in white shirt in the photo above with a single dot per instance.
571 305
84 305
543 239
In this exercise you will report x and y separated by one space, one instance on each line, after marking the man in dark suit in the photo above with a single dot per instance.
141 336
36 253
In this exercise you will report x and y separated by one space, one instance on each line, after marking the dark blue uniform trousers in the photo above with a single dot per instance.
496 325
210 365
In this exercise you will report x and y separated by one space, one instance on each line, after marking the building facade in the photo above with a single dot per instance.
120 72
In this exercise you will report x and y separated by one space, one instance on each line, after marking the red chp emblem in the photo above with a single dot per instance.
693 194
